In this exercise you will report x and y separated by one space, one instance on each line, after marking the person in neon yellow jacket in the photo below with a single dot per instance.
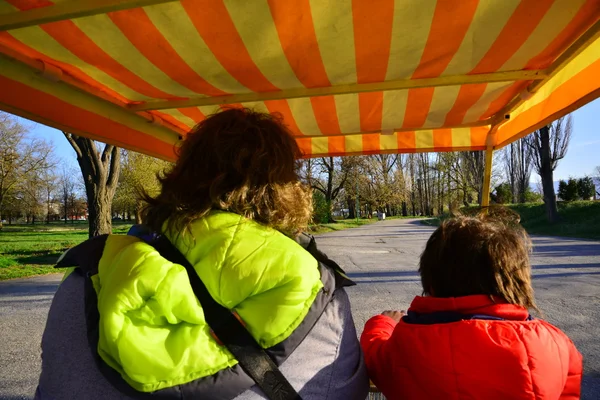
126 323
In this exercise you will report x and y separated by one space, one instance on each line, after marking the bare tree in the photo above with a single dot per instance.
474 164
519 163
550 144
100 171
328 175
48 179
67 187
19 156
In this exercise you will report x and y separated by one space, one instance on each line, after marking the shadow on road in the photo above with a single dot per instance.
28 288
565 266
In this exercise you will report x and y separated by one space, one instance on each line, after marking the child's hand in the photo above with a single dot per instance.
395 315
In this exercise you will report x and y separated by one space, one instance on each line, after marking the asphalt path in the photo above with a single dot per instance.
382 258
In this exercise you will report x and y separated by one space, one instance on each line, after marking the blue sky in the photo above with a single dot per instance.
582 158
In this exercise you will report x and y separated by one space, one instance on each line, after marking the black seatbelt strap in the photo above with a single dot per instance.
231 332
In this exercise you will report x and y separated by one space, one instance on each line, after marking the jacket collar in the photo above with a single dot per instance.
476 304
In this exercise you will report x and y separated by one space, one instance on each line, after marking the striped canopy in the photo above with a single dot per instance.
348 76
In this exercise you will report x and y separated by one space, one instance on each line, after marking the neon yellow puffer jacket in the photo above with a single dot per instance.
152 328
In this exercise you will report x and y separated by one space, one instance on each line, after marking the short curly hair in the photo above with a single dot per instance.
484 253
236 160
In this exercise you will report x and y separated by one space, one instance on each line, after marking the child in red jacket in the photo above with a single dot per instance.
471 336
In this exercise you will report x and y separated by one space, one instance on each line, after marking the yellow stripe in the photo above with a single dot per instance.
209 110
461 137
334 28
412 23
17 72
492 91
255 25
320 145
394 106
258 106
109 38
190 123
553 23
348 112
424 139
175 25
583 60
490 17
443 100
388 142
354 144
39 40
304 116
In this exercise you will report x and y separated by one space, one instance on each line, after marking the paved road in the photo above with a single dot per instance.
382 258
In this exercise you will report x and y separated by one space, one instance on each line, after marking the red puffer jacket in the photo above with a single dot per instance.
491 351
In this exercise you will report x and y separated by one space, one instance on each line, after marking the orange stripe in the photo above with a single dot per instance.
418 103
77 42
506 96
442 139
336 145
515 33
326 115
214 24
467 97
371 110
305 145
10 42
229 106
370 142
25 5
478 137
294 23
372 40
587 15
172 120
193 113
282 108
66 115
407 141
141 32
517 30
562 97
448 28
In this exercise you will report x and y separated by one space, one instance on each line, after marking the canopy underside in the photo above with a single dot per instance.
348 77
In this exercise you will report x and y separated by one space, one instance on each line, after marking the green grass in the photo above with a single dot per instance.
340 225
578 219
27 250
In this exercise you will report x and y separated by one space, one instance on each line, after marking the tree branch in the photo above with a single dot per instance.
73 143
115 163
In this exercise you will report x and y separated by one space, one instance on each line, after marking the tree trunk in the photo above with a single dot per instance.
547 175
100 176
99 218
351 210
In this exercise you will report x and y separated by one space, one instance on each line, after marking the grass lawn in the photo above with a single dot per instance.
339 225
27 250
578 219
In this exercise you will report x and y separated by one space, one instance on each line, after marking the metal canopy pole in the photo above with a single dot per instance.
487 178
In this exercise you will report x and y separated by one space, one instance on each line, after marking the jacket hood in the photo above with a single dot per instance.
475 304
152 328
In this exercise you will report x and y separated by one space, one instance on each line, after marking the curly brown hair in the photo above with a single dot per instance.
236 160
484 253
